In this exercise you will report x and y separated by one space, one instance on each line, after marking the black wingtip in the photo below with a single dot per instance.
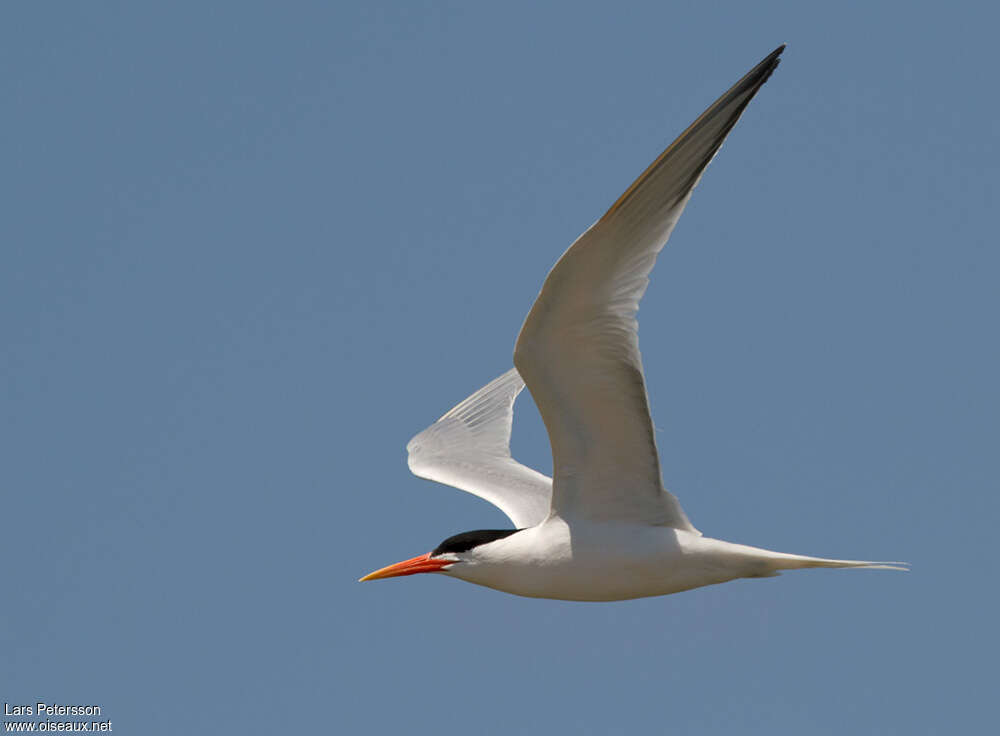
773 56
772 59
762 72
732 103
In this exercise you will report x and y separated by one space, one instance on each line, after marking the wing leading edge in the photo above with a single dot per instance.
578 350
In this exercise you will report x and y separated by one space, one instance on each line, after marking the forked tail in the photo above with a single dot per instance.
754 562
780 561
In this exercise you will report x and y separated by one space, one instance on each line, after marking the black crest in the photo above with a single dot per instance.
467 540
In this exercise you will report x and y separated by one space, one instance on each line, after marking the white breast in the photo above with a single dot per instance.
586 561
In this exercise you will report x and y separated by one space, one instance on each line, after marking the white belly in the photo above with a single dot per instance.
587 561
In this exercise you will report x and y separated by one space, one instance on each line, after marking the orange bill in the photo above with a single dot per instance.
423 563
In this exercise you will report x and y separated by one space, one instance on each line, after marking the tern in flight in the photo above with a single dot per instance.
603 528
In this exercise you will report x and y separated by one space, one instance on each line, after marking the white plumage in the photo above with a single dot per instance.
605 528
469 448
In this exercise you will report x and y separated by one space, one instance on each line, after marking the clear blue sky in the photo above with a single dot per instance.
249 249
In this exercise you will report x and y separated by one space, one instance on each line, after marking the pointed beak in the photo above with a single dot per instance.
423 563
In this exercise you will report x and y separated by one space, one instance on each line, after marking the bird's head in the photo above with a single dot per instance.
456 550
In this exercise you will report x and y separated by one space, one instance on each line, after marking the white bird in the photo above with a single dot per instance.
604 528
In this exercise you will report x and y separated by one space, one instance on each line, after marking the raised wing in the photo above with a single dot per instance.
469 448
578 350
